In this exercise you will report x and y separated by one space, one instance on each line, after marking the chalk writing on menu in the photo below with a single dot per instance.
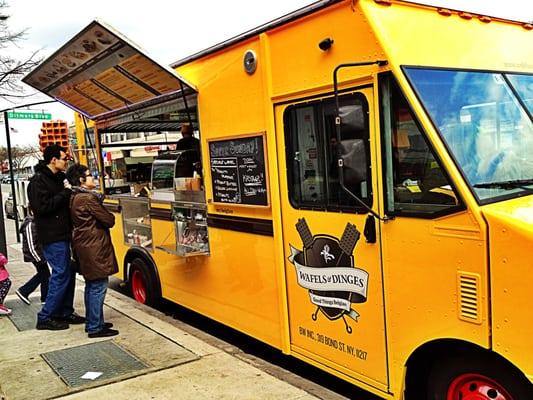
238 171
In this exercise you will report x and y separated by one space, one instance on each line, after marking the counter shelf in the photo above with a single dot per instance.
136 222
180 196
190 230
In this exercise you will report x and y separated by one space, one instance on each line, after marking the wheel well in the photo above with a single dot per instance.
143 254
421 360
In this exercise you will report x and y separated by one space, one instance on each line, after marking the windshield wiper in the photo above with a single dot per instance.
506 185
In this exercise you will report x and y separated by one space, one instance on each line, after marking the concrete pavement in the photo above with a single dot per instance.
171 363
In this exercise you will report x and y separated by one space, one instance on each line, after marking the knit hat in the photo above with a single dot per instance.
3 259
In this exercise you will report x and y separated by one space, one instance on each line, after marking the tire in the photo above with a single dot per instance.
476 376
143 283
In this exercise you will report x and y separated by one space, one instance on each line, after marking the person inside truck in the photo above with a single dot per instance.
407 160
417 175
188 141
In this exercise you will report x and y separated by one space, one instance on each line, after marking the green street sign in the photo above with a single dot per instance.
28 115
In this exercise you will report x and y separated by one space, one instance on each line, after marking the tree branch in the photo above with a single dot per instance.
12 70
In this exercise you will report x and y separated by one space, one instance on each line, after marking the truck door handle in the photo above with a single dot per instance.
370 229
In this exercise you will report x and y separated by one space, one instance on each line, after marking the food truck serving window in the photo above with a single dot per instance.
485 119
311 146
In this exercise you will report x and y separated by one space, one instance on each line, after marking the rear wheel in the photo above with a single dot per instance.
475 377
142 283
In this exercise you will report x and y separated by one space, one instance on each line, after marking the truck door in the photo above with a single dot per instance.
334 276
434 248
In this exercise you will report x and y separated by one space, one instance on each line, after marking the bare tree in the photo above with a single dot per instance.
19 154
11 68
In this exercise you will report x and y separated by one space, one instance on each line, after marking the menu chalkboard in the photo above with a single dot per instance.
238 172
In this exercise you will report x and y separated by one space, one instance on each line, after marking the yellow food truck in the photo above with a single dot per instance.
359 194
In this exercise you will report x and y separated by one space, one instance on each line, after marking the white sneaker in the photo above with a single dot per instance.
4 310
22 297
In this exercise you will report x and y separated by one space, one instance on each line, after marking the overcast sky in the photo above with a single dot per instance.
170 30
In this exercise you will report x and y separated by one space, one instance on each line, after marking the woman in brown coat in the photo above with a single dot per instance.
91 242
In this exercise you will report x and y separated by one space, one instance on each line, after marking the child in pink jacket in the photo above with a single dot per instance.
5 284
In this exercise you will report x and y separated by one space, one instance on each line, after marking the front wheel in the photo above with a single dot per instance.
475 377
142 283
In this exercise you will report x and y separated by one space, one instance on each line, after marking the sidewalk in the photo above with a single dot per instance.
150 359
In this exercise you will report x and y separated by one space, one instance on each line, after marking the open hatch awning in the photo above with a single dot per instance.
101 74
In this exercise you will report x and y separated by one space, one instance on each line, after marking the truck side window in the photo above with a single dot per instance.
312 148
416 184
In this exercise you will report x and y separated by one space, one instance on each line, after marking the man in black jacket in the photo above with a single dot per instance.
49 199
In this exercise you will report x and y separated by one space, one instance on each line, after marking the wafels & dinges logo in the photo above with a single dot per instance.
325 267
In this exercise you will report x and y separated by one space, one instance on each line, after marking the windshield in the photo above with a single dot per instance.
523 84
485 119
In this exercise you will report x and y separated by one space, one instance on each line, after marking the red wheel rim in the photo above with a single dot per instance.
138 287
476 387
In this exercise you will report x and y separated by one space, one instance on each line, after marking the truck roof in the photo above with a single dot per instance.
318 5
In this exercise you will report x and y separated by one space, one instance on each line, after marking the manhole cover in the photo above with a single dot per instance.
23 316
105 357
